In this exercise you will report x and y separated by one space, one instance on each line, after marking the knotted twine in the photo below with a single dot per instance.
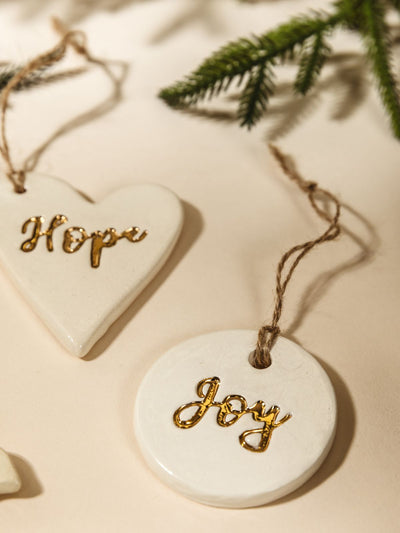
267 335
75 39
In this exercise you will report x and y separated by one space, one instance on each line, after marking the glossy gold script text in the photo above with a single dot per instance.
76 236
228 415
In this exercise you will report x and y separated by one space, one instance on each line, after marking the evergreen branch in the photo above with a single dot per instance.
395 4
305 36
37 78
376 35
311 63
238 58
255 96
8 71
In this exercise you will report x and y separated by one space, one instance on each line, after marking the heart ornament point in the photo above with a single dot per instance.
81 264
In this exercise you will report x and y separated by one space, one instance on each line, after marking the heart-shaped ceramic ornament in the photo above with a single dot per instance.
81 264
9 478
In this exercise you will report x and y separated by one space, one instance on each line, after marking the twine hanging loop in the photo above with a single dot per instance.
75 39
267 335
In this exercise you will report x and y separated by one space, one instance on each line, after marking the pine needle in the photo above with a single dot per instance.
379 50
255 96
311 62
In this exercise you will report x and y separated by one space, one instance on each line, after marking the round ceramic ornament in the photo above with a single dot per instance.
240 418
79 264
224 433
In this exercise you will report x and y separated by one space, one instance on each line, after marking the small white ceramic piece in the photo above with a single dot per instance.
9 479
227 464
75 300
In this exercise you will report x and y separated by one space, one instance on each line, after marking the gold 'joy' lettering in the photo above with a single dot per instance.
75 237
228 414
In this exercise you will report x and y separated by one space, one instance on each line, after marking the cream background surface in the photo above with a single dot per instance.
68 422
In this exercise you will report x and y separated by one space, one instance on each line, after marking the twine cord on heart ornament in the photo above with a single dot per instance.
267 335
69 38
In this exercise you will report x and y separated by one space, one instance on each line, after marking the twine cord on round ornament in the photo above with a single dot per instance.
267 335
75 39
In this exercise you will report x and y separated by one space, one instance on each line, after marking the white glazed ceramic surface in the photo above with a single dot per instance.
206 462
77 302
9 479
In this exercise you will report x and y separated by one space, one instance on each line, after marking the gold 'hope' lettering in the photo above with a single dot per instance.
75 237
228 415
